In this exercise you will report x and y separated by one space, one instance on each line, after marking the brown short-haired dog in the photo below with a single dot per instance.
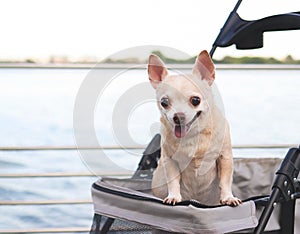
196 154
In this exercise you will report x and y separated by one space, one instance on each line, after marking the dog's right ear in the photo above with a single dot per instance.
156 70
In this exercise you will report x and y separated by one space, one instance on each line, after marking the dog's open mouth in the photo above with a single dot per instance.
181 130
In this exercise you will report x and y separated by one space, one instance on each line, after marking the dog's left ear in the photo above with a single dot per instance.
157 70
204 67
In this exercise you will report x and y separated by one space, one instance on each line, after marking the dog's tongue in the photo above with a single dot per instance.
180 131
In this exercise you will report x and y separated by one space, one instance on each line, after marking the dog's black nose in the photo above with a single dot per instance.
179 118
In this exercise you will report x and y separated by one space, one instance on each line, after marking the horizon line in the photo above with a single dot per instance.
143 66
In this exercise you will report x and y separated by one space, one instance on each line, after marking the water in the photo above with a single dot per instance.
37 105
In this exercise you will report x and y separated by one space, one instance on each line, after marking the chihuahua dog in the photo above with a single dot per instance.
196 155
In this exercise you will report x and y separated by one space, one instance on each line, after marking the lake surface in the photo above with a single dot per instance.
37 105
37 109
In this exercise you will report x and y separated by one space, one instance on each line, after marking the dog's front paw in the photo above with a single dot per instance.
173 199
231 201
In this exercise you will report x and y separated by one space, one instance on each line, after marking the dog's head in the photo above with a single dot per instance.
183 99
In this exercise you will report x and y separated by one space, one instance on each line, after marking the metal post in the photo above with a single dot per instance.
265 216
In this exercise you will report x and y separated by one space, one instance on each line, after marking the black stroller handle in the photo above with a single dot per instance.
247 34
214 47
284 188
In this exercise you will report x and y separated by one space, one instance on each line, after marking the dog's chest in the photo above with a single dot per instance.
193 158
198 168
200 182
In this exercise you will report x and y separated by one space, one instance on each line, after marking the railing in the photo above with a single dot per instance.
75 174
48 230
32 148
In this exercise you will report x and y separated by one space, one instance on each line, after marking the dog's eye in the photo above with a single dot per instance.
164 102
195 101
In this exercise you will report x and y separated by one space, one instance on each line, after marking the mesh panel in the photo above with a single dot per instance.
119 226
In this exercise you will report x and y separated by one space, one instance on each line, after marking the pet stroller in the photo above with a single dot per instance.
127 206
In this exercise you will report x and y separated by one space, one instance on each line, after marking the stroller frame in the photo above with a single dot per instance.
286 186
285 191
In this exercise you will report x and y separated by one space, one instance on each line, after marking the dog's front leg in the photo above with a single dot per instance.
172 174
225 174
225 167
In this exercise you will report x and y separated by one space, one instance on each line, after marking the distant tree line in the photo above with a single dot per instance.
132 60
233 60
256 60
172 60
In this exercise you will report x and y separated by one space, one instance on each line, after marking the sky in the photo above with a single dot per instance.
91 28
